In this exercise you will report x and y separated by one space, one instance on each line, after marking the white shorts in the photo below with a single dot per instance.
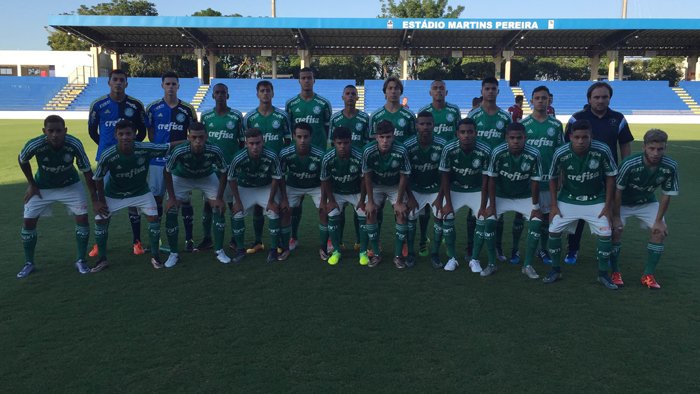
545 201
352 199
155 180
252 196
520 205
572 213
72 196
145 204
646 213
294 195
424 199
461 200
228 194
183 187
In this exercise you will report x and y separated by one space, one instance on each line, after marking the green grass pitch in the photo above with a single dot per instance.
305 326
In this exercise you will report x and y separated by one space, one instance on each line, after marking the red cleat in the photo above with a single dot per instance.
649 281
616 278
93 252
138 248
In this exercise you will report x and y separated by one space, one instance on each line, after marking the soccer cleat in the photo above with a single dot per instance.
101 265
571 257
94 251
239 255
374 261
138 248
410 260
356 247
283 254
616 278
189 246
364 259
255 248
605 281
530 272
272 255
544 256
329 247
399 262
515 257
423 250
475 266
649 281
404 250
500 256
222 257
26 270
435 261
552 276
172 260
451 264
489 270
323 254
82 267
155 262
335 258
207 244
293 243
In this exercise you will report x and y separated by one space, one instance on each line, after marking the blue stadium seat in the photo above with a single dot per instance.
28 93
693 89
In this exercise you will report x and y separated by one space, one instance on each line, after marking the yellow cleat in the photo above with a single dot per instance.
364 259
334 259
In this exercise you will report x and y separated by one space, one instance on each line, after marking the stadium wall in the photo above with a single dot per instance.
62 63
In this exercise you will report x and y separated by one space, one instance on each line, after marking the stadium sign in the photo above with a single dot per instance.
466 24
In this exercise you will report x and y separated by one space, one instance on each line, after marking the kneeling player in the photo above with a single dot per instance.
127 186
191 166
56 180
640 175
587 170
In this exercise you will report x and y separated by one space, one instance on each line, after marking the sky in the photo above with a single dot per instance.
24 27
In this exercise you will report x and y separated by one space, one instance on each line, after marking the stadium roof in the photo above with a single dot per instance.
363 36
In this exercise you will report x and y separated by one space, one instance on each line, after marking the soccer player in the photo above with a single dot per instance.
224 126
640 175
464 182
56 180
127 164
514 174
386 168
191 166
403 120
424 190
545 133
516 110
301 167
105 112
341 184
254 176
168 120
550 109
276 131
586 171
609 127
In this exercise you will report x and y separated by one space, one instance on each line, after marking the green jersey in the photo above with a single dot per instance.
345 174
316 112
187 164
385 168
128 173
275 127
249 172
583 180
445 121
55 166
491 129
425 163
404 122
358 125
466 169
302 171
546 136
514 174
225 131
638 182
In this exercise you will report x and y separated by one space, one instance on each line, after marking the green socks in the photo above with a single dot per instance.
172 230
615 256
322 235
274 226
101 234
654 252
424 219
296 219
29 244
490 232
604 248
334 230
206 223
219 230
437 235
448 232
82 236
399 238
258 222
554 247
154 237
238 226
362 225
373 235
411 235
479 236
534 230
518 227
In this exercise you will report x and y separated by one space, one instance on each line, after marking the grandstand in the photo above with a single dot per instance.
28 93
145 89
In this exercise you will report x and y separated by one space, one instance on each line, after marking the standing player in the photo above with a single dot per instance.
105 112
301 168
168 120
224 126
191 166
587 171
127 164
276 131
56 180
254 177
424 192
640 175
550 109
386 169
516 110
403 120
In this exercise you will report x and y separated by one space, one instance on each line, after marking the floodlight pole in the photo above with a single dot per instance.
274 57
621 60
624 8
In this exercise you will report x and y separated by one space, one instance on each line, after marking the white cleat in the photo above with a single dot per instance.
451 264
530 272
475 266
172 260
222 257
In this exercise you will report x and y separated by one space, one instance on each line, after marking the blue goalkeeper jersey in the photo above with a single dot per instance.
104 115
169 124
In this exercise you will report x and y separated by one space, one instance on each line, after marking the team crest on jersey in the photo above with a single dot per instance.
450 117
500 124
525 166
358 126
119 167
275 124
594 164
435 156
180 118
67 158
353 168
140 161
129 112
394 164
229 125
402 122
476 163
312 167
317 110
550 131
660 179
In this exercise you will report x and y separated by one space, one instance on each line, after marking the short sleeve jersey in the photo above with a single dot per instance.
316 112
445 121
183 162
104 115
490 129
249 172
303 172
404 122
55 166
385 169
224 131
514 174
466 169
612 129
275 127
546 136
345 174
583 181
425 164
358 125
128 173
169 124
639 182
516 113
